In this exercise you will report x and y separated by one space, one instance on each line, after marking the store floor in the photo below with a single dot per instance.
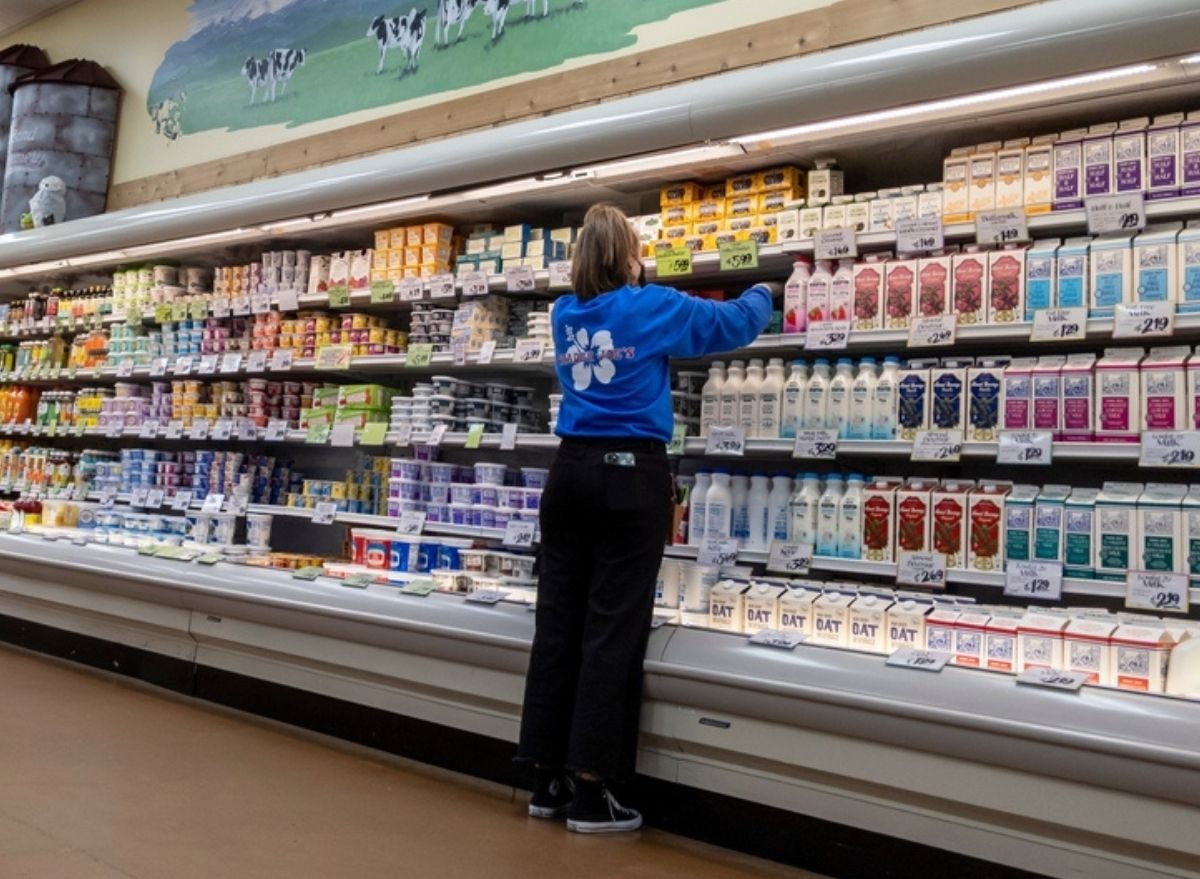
101 778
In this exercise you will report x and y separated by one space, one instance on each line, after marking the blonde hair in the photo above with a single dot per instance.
606 247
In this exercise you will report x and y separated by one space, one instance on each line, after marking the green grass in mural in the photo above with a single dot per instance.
343 79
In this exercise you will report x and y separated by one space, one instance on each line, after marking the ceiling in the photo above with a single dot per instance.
15 14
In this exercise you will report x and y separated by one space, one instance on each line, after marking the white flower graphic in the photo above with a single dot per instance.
590 359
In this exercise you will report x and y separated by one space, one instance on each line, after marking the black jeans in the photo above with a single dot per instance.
604 524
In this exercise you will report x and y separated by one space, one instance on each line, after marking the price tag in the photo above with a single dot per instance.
827 335
508 437
208 364
671 262
246 430
260 303
1144 320
200 428
420 588
155 498
818 444
919 235
1001 227
183 365
1056 324
335 357
441 287
222 429
1115 213
459 352
181 501
113 430
125 369
1038 580
412 523
308 574
174 430
411 290
339 297
1053 678
738 255
256 361
140 496
780 640
220 309
282 359
487 351
324 513
1025 447
836 243
373 434
790 558
210 558
560 275
403 434
358 581
317 434
212 503
1170 449
108 497
925 569
1154 590
932 331
288 298
486 596
474 284
678 443
519 534
342 435
437 434
277 430
474 436
419 355
730 441
158 367
718 551
529 351
231 362
519 279
937 445
148 429
922 660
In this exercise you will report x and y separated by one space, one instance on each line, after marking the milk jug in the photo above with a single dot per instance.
777 507
697 512
841 292
883 406
770 401
793 400
759 514
795 298
739 488
749 402
839 397
718 508
819 287
849 540
816 396
710 397
862 399
827 517
731 395
804 510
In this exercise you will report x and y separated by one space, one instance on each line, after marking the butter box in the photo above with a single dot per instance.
795 611
764 235
1087 643
741 185
1019 522
678 193
929 202
1116 529
882 215
1041 264
1078 392
761 604
956 190
787 222
395 259
833 216
949 533
1078 524
1071 273
412 255
414 236
858 215
1040 640
1129 155
1098 159
1162 151
397 238
1188 250
1046 379
1068 170
1049 519
1160 527
939 628
1118 396
1039 174
727 605
1111 259
1010 174
383 239
906 623
706 211
969 635
868 623
1156 263
1139 656
677 214
1006 285
899 279
983 178
831 623
437 233
811 219
969 280
1189 155
1000 641
1164 388
985 383
905 205
786 177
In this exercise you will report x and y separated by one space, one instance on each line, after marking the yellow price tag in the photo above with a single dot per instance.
373 434
339 297
335 357
737 255
419 355
474 436
678 440
671 262
318 435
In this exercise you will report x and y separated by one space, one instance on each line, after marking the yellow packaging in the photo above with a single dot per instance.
741 185
411 271
713 192
428 270
743 206
708 210
761 234
742 224
437 233
675 234
435 254
397 238
383 239
787 177
412 255
396 274
678 193
379 260
414 236
694 243
395 259
710 242
711 227
677 214
776 200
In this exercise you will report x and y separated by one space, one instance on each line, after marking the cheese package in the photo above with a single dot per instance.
1164 389
727 605
1040 640
1068 170
795 611
969 280
1156 263
1111 259
858 214
1039 175
741 206
883 217
834 216
899 281
1188 273
949 532
1139 656
868 623
1129 155
787 177
1118 396
969 637
678 193
831 624
1071 273
824 182
939 628
906 623
985 508
929 202
956 190
1000 641
1116 523
905 205
773 202
1041 263
1160 528
1010 174
761 606
1046 379
983 178
1078 526
1006 285
1018 523
1087 643
741 185
1049 520
1078 391
677 214
1098 160
1162 152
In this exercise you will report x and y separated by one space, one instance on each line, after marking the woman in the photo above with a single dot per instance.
606 513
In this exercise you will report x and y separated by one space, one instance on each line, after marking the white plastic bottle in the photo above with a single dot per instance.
841 292
710 397
731 395
770 401
795 298
697 511
718 508
739 489
804 510
839 397
827 516
793 400
778 501
748 406
883 410
759 508
849 539
862 399
818 291
816 396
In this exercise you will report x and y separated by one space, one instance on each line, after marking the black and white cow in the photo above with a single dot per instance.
497 10
167 116
450 13
258 73
407 32
273 72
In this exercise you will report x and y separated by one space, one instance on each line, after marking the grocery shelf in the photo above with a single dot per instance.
783 448
441 528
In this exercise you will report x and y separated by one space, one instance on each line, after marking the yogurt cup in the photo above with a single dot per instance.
258 530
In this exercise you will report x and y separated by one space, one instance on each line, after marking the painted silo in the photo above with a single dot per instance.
15 61
64 122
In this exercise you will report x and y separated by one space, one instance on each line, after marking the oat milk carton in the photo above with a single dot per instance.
1006 285
1156 264
1098 159
1118 396
1191 533
956 192
831 619
1188 254
950 533
906 622
969 637
1129 155
1162 150
1000 641
1016 394
796 610
761 606
1111 259
899 291
1164 389
1078 527
1018 523
1068 170
985 507
1078 392
868 623
1116 529
1071 273
1087 643
1139 656
948 395
939 627
1040 640
1041 262
1039 174
1160 528
969 281
727 605
984 383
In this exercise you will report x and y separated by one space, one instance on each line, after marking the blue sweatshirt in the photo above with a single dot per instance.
613 350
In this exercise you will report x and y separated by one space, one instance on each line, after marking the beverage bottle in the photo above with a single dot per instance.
804 510
827 517
731 395
758 505
770 400
841 292
849 539
839 397
818 292
748 405
710 397
883 409
739 488
862 398
795 298
793 400
718 508
697 512
777 507
816 396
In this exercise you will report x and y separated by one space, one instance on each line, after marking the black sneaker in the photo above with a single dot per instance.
552 793
596 810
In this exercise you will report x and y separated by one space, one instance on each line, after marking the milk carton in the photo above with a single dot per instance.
1077 386
1047 393
1087 643
761 606
985 508
1049 520
825 181
1189 155
969 637
956 192
1162 150
1164 389
913 399
1191 533
1040 640
879 520
1118 396
983 178
929 202
1068 170
1160 529
1188 252
939 628
1039 175
1117 536
933 285
1000 641
899 283
1071 273
868 623
914 504
1006 285
1111 259
1018 523
1098 159
984 383
727 605
969 281
1129 155
906 623
949 532
1156 264
831 619
795 611
1041 263
1139 656
1078 528
948 395
1016 394
1010 174
811 218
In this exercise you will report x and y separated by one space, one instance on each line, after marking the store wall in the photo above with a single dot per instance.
219 92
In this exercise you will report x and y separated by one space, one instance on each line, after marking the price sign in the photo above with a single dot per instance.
181 501
373 434
411 290
487 351
560 275
1001 227
827 335
519 279
212 503
383 292
174 430
282 359
419 355
738 255
790 558
1057 324
113 430
412 523
836 243
718 551
246 430
1025 447
729 441
1053 678
437 434
441 287
108 497
277 430
256 361
474 436
317 434
937 445
358 581
154 498
308 574
1144 320
519 535
183 365
678 443
342 435
486 596
924 569
231 362
1179 448
208 364
817 444
474 284
921 660
222 429
200 428
932 331
1115 213
148 429
335 357
125 369
324 513
529 351
671 262
158 367
458 351
1154 590
919 235
220 309
776 638
508 437
403 434
420 588
339 297
140 497
1037 580
288 298
260 303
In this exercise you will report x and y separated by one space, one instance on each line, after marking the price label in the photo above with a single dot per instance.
776 638
1054 678
412 523
288 298
519 534
181 501
1057 324
937 445
108 497
730 441
342 435
818 444
474 284
309 574
373 434
383 292
174 430
210 558
508 437
441 287
519 279
220 309
148 429
1001 227
420 588
1179 448
140 496
183 365
924 569
474 436
199 431
790 558
403 434
560 276
486 596
419 355
231 362
222 429
358 581
919 235
155 498
212 503
1115 213
277 430
671 262
529 351
1025 447
125 369
1144 320
158 367
437 434
678 443
1154 590
324 513
256 361
932 331
1037 580
339 297
836 243
317 434
458 351
487 351
246 430
335 357
921 660
738 255
827 335
208 365
260 303
282 359
718 551
113 430
411 290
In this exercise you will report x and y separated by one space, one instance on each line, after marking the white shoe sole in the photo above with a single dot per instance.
605 826
547 811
